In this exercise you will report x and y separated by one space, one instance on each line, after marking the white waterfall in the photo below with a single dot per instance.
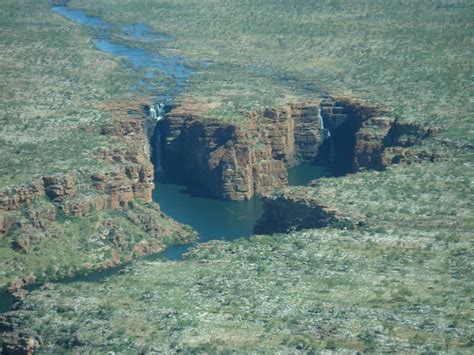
160 110
321 125
326 134
152 112
157 112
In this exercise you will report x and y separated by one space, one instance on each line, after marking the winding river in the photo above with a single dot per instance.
211 218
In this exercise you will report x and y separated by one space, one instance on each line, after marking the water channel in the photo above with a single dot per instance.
211 218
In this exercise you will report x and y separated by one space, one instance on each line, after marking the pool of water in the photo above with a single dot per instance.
6 302
211 218
215 219
303 174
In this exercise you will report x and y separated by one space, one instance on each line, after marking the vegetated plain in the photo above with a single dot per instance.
401 282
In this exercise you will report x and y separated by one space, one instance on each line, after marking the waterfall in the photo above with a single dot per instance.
160 111
157 112
326 135
152 112
321 125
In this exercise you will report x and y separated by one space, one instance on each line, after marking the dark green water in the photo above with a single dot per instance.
6 302
211 218
218 219
303 174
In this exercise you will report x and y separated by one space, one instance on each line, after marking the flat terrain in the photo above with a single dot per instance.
306 291
52 84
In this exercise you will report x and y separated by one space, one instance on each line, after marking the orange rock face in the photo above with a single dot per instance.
237 162
77 193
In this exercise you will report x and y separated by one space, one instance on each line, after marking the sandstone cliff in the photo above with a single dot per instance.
124 182
78 192
235 162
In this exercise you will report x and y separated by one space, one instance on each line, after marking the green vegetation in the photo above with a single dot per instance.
55 88
76 245
308 291
401 282
52 81
412 56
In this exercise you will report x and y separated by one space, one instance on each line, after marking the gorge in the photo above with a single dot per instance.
219 161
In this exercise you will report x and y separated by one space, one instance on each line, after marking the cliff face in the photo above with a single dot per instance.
237 161
40 211
78 193
219 157
367 137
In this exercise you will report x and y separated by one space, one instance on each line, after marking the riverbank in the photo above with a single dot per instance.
306 291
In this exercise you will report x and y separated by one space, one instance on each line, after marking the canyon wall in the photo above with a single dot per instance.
231 161
128 177
237 161
130 224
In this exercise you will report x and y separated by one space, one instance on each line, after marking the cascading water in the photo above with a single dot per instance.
321 126
157 113
326 137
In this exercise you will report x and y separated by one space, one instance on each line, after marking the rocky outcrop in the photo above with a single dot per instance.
223 158
43 208
285 212
79 192
11 198
369 143
235 162
364 137
293 133
16 341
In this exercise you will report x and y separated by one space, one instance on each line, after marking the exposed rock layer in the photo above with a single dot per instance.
77 193
16 341
31 213
237 161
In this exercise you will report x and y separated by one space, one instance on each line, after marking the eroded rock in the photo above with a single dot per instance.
237 161
14 341
285 212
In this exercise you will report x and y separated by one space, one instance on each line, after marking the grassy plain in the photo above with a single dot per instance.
307 291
